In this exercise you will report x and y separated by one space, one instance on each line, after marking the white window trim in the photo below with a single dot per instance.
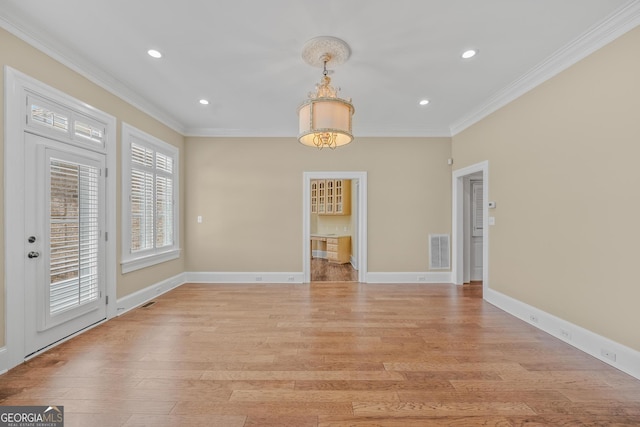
135 261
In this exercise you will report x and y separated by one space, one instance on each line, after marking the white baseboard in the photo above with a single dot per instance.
243 277
298 277
138 298
409 277
4 363
615 354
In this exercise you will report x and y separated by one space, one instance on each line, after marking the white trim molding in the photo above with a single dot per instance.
457 222
147 257
409 277
91 72
150 260
142 296
621 21
615 354
218 277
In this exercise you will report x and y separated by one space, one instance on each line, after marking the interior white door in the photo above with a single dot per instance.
65 256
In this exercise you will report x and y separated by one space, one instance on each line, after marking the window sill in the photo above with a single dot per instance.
148 260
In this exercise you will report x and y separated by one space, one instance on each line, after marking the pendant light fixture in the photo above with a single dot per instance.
325 119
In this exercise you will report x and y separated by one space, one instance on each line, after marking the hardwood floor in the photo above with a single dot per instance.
325 271
326 354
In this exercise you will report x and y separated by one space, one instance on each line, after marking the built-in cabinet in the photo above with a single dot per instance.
339 249
331 196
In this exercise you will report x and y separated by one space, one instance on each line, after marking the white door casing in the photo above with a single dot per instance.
18 88
458 222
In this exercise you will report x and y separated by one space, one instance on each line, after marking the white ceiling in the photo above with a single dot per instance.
245 55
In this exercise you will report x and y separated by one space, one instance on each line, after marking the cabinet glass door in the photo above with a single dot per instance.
321 197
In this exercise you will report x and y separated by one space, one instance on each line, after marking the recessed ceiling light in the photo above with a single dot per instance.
424 102
204 102
154 53
467 54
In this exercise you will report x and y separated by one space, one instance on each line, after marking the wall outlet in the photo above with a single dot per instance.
565 334
422 278
608 354
533 318
291 278
258 278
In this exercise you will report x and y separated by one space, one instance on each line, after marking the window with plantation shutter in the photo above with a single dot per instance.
150 203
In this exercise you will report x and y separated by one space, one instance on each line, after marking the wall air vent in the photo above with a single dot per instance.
439 253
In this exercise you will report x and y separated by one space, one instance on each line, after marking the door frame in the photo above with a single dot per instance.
361 232
458 222
16 84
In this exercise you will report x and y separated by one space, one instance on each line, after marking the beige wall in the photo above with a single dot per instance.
563 169
249 193
21 56
334 224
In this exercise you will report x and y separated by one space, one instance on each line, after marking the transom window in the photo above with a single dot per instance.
48 117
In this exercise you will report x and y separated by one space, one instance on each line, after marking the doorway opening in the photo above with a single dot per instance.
470 242
334 226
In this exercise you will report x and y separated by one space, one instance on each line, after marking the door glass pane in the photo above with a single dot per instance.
74 228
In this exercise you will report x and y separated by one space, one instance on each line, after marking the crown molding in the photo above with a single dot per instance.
91 73
427 132
615 25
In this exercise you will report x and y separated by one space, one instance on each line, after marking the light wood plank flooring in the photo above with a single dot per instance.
326 354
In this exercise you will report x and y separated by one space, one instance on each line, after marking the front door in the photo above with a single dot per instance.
65 256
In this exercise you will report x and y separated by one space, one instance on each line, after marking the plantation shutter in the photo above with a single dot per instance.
141 198
152 187
164 200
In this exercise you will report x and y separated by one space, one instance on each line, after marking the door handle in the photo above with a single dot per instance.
33 254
